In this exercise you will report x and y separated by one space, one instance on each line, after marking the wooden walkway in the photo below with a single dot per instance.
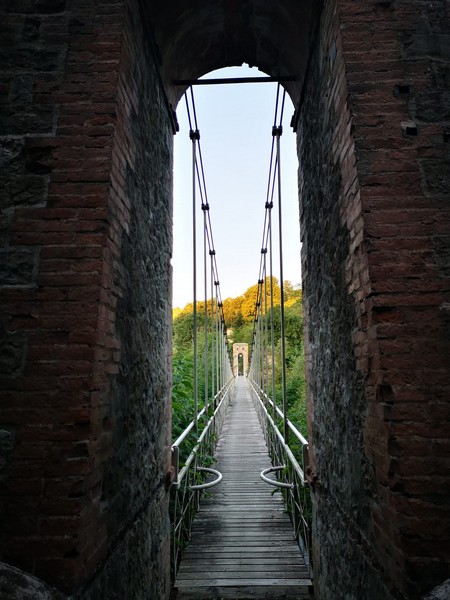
242 542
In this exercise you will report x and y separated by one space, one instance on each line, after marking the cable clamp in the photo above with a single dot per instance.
277 131
216 283
194 135
269 205
212 252
205 206
263 250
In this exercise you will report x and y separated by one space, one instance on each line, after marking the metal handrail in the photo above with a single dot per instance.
186 489
189 428
291 426
278 434
208 484
276 483
179 475
291 478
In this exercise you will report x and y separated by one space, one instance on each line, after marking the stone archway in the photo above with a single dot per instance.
87 156
240 358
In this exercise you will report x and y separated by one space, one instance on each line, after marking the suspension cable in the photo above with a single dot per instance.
218 329
259 363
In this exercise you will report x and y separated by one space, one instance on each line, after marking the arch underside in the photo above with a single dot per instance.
199 37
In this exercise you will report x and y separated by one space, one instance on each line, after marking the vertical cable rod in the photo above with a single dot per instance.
218 370
194 137
217 335
213 393
277 132
266 332
272 324
205 208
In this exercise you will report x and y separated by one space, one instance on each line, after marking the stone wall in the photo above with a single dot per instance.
335 279
373 147
18 585
401 116
86 141
136 408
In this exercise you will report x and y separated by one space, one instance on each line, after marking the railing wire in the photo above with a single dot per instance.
297 496
185 497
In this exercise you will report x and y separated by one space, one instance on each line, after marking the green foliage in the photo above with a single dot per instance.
239 313
296 393
182 392
241 310
242 333
183 328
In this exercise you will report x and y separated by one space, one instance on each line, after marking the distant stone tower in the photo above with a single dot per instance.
240 351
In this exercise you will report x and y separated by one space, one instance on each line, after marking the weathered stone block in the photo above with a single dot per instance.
441 246
18 585
10 151
29 58
13 347
32 120
22 90
28 190
441 592
7 442
436 176
6 218
18 266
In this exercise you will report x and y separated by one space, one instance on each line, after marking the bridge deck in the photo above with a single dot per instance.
242 541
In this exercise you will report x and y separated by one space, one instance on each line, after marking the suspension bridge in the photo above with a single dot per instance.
240 504
242 540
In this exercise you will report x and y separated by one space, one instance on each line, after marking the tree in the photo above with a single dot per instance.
183 332
239 314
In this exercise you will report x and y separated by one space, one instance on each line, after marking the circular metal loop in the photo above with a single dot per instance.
280 484
204 486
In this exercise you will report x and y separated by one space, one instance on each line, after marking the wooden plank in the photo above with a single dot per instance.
220 563
246 593
206 528
239 535
210 581
247 541
226 563
243 573
244 552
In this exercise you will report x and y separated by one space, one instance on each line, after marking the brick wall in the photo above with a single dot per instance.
335 281
401 108
374 156
83 423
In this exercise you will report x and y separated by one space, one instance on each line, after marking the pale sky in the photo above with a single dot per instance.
235 123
